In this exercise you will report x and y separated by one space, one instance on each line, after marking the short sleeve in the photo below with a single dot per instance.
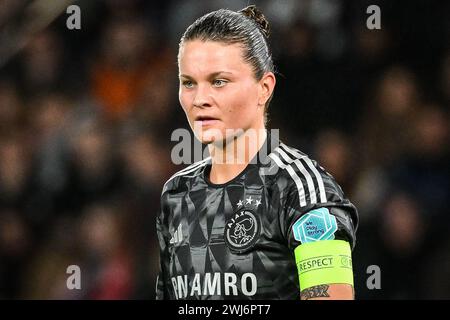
331 216
162 282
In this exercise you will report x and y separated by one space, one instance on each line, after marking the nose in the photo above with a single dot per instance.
202 97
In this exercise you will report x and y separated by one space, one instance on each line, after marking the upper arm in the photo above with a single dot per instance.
321 233
325 269
162 280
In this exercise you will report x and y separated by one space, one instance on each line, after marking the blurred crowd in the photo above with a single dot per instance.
86 118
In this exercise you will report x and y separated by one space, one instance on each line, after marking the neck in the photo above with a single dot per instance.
231 157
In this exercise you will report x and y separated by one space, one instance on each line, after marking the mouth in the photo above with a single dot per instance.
204 118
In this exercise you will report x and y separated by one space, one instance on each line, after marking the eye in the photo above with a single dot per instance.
219 83
188 84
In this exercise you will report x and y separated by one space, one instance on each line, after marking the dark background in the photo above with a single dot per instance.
86 118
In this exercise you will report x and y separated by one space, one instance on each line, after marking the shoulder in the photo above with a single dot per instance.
303 178
310 191
189 172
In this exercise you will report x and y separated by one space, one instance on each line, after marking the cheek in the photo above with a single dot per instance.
243 100
184 99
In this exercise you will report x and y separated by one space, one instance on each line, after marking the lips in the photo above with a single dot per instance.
204 118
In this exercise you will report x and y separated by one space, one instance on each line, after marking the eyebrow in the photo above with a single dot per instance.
210 76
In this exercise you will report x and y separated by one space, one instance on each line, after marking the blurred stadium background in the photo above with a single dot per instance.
86 118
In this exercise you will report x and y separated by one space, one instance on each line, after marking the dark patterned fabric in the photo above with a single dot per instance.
235 240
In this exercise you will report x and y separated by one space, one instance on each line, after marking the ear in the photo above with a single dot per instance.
266 87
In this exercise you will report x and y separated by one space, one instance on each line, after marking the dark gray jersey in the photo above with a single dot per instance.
236 240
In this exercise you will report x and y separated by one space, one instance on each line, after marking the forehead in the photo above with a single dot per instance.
197 56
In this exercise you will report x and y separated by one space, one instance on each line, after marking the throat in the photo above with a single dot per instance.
223 173
230 160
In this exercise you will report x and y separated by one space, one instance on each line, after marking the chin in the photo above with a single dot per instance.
204 140
209 136
208 139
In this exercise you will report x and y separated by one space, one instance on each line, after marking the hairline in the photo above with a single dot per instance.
239 42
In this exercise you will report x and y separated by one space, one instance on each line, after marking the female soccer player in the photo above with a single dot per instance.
257 219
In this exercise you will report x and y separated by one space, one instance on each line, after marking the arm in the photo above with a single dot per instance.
337 291
325 270
322 235
161 282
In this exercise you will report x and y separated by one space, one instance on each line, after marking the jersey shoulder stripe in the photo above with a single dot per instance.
192 168
298 182
314 185
312 166
330 190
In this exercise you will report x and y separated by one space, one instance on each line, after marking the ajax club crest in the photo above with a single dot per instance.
242 230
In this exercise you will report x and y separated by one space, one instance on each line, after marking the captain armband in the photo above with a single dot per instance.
324 262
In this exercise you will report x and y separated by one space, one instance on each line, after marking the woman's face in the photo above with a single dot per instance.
218 90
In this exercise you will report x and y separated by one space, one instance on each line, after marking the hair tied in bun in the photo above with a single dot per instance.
253 13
